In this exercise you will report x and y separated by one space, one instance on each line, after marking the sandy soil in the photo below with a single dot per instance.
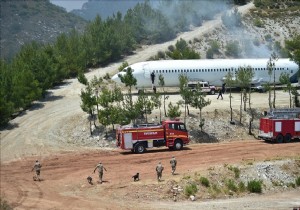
64 184
37 134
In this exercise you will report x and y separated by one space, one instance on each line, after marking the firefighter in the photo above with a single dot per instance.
173 163
100 168
159 170
37 167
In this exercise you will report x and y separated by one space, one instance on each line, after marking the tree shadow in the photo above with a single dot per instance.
60 84
203 137
50 97
9 126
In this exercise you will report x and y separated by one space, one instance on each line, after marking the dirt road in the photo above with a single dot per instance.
64 184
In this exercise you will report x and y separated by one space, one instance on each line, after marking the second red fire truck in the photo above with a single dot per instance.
170 133
280 125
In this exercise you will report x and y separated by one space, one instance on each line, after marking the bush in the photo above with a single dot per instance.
298 181
209 54
204 181
231 185
4 205
258 23
254 186
242 187
236 171
190 190
233 49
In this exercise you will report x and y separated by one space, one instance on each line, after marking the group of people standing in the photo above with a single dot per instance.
159 169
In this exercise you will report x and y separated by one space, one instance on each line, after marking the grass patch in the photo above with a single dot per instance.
231 185
190 189
298 181
204 181
236 171
4 205
242 187
255 186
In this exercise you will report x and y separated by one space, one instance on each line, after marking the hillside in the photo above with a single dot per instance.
26 21
104 8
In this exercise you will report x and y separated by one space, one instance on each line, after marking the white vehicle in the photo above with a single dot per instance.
205 87
210 70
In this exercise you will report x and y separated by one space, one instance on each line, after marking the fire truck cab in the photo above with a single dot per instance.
281 125
137 138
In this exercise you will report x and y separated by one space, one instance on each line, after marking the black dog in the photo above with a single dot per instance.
90 179
136 177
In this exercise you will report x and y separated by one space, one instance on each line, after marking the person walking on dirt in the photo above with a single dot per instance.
37 167
173 163
220 93
159 170
100 168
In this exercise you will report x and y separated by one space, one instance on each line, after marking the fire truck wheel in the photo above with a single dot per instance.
139 148
287 138
279 138
178 144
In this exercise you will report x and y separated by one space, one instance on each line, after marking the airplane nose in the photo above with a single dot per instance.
116 79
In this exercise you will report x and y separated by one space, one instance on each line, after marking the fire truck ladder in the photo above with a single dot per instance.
285 113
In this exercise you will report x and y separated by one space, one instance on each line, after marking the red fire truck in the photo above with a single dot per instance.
280 125
172 134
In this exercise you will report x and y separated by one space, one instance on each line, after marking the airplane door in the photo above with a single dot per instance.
146 71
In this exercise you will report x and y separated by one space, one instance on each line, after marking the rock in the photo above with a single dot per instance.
192 197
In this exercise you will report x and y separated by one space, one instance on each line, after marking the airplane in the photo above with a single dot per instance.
209 70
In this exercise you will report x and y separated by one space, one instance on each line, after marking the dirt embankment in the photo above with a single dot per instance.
64 182
48 132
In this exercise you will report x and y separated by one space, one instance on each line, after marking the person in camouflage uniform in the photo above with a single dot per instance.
37 167
159 170
100 168
173 163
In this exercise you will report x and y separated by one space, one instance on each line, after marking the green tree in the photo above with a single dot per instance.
144 106
88 102
6 102
161 83
185 93
129 80
156 99
285 80
105 100
229 80
198 101
293 47
271 70
243 78
173 111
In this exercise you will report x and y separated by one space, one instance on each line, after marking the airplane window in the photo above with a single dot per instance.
172 71
292 72
287 68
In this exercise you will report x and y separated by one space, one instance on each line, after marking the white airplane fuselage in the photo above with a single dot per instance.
212 71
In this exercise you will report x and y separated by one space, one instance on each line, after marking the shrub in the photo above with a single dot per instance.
204 181
254 186
242 187
233 49
161 54
209 54
231 185
298 181
4 205
236 171
258 23
190 190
